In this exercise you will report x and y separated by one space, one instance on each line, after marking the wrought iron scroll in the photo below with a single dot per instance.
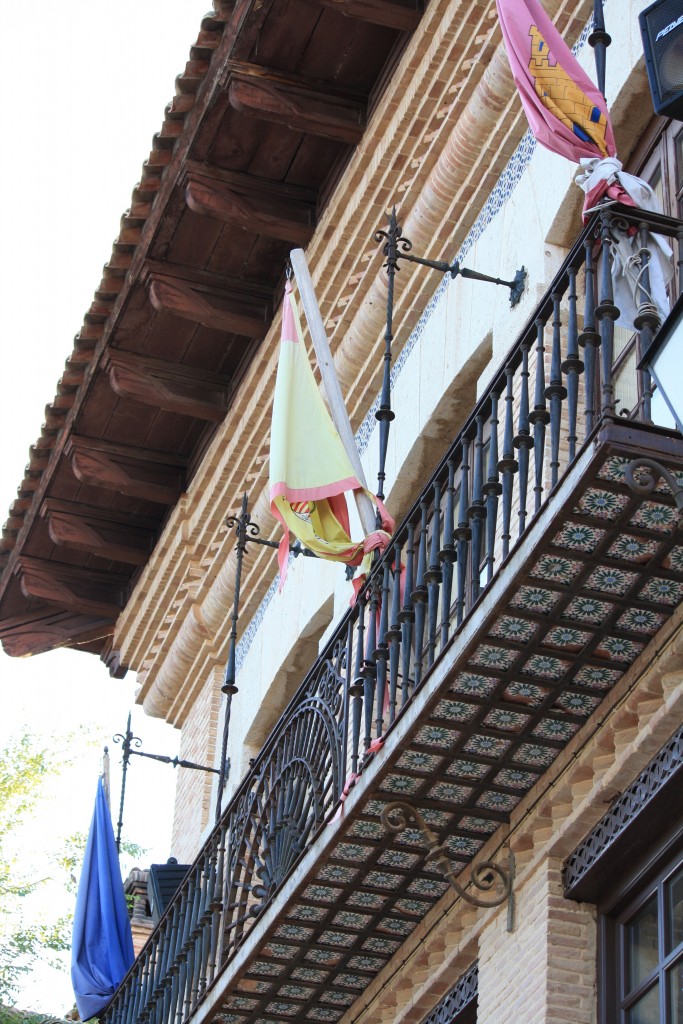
642 475
487 876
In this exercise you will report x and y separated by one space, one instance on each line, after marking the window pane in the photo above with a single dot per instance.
626 383
675 904
642 951
646 1010
676 993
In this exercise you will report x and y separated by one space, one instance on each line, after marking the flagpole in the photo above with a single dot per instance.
340 416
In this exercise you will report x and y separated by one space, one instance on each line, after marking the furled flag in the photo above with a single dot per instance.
102 949
565 111
309 468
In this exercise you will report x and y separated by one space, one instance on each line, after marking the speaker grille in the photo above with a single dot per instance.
662 28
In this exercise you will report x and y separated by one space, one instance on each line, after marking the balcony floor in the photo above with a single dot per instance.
573 608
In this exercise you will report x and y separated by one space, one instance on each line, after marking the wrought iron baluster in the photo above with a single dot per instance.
606 313
572 366
393 634
369 669
599 40
646 323
492 489
407 619
523 440
357 686
434 576
477 509
508 464
556 392
419 595
447 554
539 415
462 532
392 239
382 650
589 339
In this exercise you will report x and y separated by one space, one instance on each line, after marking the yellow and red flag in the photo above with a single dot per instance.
310 471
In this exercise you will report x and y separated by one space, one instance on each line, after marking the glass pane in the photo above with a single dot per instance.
642 950
676 993
622 336
675 911
626 383
656 183
646 1010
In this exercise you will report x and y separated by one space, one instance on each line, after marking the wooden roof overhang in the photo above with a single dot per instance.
274 98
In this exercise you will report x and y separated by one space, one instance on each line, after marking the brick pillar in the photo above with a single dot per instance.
544 972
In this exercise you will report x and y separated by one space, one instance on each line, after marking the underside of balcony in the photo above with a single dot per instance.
598 573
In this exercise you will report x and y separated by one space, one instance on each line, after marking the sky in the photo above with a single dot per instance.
86 87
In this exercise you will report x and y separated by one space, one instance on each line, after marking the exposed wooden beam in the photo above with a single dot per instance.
87 591
135 472
170 386
46 630
295 102
104 533
263 207
388 13
225 311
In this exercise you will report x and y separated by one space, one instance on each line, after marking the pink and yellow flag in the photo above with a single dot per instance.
309 468
565 110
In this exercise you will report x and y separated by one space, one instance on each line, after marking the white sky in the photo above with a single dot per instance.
86 85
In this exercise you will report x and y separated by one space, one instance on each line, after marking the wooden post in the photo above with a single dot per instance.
335 400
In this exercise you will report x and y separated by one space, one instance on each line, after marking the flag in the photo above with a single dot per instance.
309 468
102 948
565 110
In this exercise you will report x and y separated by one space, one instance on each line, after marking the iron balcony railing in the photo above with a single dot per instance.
568 371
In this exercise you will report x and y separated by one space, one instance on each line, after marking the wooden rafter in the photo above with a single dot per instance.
135 472
87 591
104 533
170 386
388 13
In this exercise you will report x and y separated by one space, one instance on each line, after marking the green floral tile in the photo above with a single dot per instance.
486 746
400 784
613 468
337 873
302 912
352 851
365 830
473 684
437 736
338 998
567 637
323 956
617 649
349 919
450 793
455 710
552 729
266 967
410 837
610 581
535 599
556 569
428 887
491 801
255 987
483 826
366 963
601 504
322 893
368 900
241 1003
382 880
437 819
222 1018
310 974
674 560
513 778
493 657
393 926
589 610
594 678
398 859
628 548
516 630
652 515
542 666
535 755
417 761
463 846
320 1013
351 981
470 771
525 693
279 1009
578 537
578 703
641 620
332 938
282 952
377 945
661 591
506 721
295 932
415 908
295 992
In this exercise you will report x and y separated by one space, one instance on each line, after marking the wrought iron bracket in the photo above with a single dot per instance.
487 876
642 475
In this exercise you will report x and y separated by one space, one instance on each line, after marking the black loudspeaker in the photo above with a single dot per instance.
661 26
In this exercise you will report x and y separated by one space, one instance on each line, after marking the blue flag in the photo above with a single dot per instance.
102 949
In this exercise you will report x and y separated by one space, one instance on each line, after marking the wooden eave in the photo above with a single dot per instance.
266 113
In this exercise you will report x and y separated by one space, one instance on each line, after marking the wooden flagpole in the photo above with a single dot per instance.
335 400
